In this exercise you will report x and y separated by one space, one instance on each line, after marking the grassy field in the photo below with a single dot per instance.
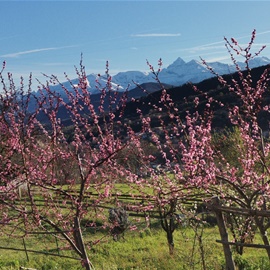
144 249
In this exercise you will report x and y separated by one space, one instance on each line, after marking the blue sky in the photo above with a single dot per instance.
49 36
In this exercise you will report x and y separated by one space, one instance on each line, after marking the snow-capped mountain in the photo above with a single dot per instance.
180 72
93 82
255 62
126 78
176 74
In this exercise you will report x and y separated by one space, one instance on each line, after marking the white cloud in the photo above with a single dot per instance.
221 44
157 35
223 59
55 64
206 47
17 54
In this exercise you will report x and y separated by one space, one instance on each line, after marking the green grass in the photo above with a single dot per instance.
145 249
148 250
142 249
10 259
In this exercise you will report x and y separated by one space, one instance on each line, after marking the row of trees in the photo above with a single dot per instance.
99 150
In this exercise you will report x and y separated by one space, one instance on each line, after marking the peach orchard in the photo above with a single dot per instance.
43 159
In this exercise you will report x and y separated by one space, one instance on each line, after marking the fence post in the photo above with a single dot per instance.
215 202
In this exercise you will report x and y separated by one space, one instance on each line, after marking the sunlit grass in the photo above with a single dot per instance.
143 249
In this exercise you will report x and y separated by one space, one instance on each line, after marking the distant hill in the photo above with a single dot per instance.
135 93
184 95
177 73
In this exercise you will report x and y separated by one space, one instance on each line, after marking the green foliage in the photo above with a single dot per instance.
229 145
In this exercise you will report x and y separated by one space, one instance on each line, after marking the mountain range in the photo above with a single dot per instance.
183 99
176 74
182 96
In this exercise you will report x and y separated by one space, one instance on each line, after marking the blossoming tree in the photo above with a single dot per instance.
64 176
56 179
243 183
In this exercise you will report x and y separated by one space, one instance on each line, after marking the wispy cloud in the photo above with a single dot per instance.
215 47
257 34
220 44
205 47
157 35
223 59
55 64
17 54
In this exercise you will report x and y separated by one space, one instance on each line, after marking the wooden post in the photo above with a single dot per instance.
263 232
223 233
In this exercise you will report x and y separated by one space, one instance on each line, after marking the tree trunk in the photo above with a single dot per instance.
167 223
80 244
170 241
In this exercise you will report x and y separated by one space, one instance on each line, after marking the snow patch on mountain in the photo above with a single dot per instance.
126 79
